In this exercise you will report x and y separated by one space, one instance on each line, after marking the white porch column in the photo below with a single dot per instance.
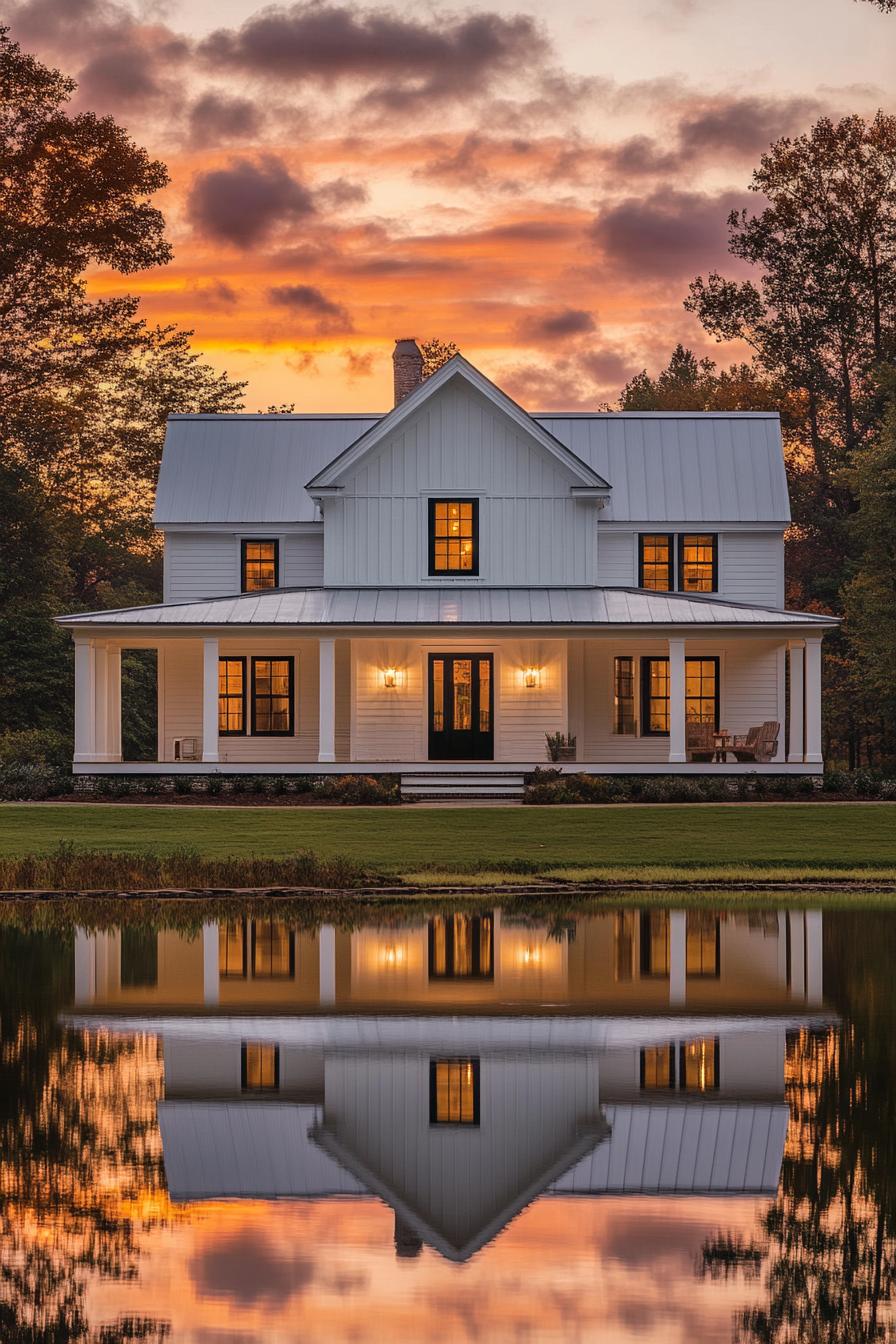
814 959
101 683
209 699
813 698
113 703
85 967
327 712
678 957
795 746
676 701
326 947
210 976
85 700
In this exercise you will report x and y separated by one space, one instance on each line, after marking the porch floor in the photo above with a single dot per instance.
439 768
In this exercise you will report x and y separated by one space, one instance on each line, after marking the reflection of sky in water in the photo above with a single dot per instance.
593 1168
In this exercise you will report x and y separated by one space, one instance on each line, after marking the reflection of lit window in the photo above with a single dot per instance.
624 943
697 1061
273 950
454 1091
698 1067
461 947
232 949
702 945
261 1067
658 1066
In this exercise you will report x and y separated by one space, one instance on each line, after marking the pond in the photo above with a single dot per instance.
231 1123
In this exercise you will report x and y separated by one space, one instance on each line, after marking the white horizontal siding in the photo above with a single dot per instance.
206 563
617 562
752 568
302 560
749 691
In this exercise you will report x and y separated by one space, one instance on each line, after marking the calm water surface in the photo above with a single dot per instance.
476 1125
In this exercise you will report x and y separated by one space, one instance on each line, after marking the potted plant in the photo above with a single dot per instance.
561 746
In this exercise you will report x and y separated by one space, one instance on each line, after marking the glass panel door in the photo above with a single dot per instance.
461 707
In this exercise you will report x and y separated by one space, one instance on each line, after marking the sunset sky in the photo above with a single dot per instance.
535 182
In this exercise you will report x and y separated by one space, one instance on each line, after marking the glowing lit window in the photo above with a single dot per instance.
231 696
655 554
698 562
454 1091
454 536
260 565
272 697
261 1067
658 1067
273 950
698 1065
624 696
701 693
232 949
461 947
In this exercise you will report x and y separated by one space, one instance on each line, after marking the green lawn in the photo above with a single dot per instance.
780 836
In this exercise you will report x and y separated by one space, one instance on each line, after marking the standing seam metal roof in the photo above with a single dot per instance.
662 467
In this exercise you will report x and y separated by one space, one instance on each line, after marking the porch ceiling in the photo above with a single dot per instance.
452 606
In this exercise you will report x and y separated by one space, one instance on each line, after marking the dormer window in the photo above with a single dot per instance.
454 536
259 565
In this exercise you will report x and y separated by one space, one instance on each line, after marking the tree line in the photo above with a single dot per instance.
86 386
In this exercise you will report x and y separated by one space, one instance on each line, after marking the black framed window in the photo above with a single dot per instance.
454 1091
698 562
624 696
454 536
273 950
462 947
656 554
259 565
231 697
260 1067
139 958
701 693
657 1067
273 697
232 946
702 944
698 1065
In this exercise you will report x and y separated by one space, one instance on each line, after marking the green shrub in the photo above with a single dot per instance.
36 746
215 784
358 789
22 781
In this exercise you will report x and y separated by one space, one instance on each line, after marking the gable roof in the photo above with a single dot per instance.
456 367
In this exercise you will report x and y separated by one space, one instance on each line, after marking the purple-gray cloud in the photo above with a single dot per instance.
668 234
558 326
218 118
312 303
245 202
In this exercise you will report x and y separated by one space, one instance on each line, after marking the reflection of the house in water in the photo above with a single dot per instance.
461 1067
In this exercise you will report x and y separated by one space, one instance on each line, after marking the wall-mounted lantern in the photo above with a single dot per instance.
391 677
530 678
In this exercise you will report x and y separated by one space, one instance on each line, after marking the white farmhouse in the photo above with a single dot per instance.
435 590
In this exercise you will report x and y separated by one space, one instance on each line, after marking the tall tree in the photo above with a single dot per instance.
822 314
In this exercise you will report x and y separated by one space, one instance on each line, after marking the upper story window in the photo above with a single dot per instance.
454 536
655 561
698 562
697 557
259 565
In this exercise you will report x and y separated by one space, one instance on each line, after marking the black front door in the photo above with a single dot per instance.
461 707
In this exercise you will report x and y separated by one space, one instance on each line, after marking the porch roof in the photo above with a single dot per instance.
460 606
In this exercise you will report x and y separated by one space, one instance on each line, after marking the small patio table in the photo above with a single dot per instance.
722 744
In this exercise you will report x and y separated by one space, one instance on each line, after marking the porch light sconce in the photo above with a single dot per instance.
530 677
390 678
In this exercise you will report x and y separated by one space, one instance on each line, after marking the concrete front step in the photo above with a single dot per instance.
470 785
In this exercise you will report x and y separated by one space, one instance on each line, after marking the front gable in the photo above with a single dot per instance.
459 384
457 437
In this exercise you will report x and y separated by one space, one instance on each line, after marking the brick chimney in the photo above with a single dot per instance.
407 366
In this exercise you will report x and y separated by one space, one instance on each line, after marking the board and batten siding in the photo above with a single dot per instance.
206 563
392 724
458 445
180 699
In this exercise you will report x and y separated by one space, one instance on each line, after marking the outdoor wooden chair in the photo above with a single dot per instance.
759 745
699 740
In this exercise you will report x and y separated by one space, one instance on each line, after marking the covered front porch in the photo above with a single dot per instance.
295 701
